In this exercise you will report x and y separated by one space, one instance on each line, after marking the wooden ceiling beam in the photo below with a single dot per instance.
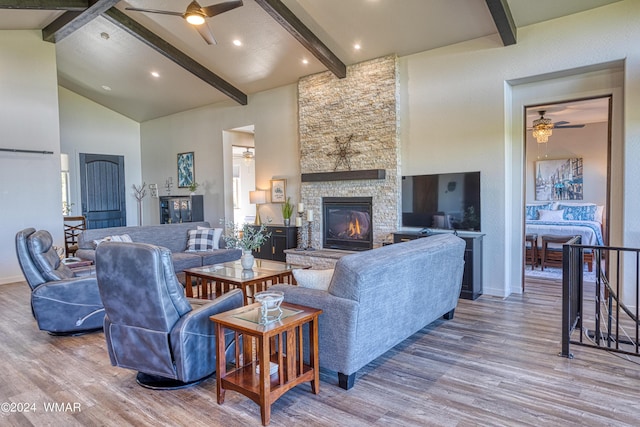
161 46
290 22
77 5
71 21
504 21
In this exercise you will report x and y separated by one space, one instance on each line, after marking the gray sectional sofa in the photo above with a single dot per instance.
378 298
171 236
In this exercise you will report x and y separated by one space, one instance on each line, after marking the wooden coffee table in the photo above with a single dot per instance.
214 280
280 343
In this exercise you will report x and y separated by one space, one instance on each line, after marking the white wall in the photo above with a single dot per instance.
456 116
30 193
88 127
274 114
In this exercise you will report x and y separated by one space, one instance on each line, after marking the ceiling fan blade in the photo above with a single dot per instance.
163 12
560 123
219 8
569 127
206 33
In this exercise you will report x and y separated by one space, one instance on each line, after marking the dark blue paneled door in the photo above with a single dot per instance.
103 192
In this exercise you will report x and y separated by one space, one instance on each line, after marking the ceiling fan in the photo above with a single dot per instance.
196 14
562 124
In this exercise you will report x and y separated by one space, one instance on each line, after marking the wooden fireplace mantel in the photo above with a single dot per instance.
344 175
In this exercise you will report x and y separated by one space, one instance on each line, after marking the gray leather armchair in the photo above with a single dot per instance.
150 326
63 301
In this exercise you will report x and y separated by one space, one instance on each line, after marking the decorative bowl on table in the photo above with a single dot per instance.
270 301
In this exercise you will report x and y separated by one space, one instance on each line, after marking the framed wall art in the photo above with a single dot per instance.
185 169
559 179
278 190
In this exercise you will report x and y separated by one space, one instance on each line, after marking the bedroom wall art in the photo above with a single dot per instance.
559 179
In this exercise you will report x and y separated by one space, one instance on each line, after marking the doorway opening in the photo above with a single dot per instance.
242 179
567 182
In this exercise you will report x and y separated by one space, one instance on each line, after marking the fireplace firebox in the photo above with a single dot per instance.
347 223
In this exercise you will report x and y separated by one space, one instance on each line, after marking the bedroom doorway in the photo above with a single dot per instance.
567 180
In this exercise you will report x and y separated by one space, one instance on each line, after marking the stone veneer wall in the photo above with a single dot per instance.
364 104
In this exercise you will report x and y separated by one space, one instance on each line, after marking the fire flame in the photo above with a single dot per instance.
354 228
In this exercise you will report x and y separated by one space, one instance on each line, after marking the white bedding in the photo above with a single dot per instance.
585 229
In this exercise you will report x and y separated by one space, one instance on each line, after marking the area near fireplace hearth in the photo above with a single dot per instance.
351 124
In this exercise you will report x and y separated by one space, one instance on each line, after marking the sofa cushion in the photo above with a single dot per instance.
218 256
200 240
116 238
184 260
313 279
217 233
171 236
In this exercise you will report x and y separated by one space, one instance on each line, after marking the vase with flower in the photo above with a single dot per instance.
248 238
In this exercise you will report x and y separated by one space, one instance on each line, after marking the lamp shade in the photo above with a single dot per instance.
257 197
64 162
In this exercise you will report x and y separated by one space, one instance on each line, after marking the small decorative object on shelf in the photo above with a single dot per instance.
310 228
270 310
287 211
300 237
193 187
153 189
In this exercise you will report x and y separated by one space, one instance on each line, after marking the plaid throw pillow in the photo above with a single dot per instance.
200 240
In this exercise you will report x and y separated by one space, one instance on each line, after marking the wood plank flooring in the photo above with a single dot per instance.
494 364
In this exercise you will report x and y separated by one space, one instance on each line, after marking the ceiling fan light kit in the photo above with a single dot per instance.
542 128
195 15
194 19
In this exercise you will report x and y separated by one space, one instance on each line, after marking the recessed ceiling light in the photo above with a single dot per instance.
237 42
305 61
357 46
105 87
155 74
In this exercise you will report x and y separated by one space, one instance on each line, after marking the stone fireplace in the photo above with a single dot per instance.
347 223
349 145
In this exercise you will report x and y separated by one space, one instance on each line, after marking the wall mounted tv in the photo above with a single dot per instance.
448 201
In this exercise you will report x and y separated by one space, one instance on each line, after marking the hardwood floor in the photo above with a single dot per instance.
494 364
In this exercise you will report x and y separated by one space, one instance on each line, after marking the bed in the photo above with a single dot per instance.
566 219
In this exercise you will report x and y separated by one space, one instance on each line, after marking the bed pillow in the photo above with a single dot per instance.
313 279
200 240
532 210
551 215
599 213
217 232
579 212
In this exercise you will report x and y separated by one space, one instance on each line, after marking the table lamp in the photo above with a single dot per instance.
257 198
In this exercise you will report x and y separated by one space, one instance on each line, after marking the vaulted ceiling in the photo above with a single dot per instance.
108 53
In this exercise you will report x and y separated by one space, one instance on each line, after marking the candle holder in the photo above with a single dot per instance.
309 229
300 236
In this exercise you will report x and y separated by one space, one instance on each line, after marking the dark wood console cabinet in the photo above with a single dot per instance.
472 276
282 238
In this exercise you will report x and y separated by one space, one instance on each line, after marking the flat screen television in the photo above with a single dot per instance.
449 201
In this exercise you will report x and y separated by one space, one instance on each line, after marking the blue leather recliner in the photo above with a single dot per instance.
63 301
150 326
